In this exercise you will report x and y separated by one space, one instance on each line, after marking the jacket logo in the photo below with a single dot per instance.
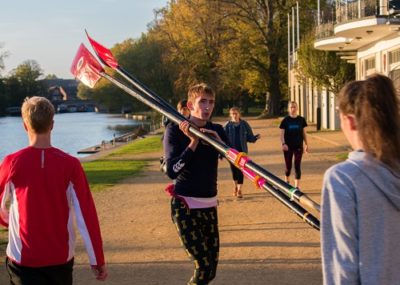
178 166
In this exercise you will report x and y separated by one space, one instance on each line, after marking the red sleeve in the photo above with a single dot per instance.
4 177
86 216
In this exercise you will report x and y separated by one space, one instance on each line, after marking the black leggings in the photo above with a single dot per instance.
298 154
47 275
198 231
237 174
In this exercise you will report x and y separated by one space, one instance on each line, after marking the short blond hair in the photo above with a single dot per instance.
38 113
198 89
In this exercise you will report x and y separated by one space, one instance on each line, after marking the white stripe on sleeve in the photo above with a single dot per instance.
14 247
82 226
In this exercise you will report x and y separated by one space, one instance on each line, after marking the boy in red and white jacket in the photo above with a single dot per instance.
48 193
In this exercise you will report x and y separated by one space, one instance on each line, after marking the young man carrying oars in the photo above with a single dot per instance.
194 164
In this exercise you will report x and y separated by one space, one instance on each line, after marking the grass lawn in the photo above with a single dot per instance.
105 173
342 156
3 242
111 169
148 144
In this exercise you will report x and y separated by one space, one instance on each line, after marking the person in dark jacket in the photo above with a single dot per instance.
193 164
239 133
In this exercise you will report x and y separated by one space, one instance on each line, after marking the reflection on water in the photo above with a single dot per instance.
72 131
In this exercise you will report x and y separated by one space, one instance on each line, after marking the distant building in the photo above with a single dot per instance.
63 94
61 89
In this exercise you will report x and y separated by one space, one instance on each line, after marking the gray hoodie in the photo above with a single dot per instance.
360 217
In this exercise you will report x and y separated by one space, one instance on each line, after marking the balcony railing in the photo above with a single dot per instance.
342 11
350 10
325 30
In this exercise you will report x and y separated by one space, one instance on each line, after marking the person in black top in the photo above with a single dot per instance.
193 164
293 134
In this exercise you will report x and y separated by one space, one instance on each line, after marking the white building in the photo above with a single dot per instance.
363 32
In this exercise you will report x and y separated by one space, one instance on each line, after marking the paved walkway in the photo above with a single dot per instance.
262 242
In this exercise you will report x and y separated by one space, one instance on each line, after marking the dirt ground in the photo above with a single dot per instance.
262 241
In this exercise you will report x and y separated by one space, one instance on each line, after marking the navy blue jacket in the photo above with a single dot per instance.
246 134
195 171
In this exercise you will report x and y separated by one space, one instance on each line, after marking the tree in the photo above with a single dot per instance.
325 69
261 26
3 55
51 76
193 33
23 82
3 99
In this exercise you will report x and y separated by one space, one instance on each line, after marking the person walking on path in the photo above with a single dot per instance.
193 164
46 189
294 142
361 196
239 133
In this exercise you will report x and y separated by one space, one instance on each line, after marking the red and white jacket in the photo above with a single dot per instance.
48 193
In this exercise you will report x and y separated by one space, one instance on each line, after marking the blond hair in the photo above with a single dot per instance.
38 113
199 89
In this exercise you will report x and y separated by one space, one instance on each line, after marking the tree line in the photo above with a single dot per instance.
22 82
239 47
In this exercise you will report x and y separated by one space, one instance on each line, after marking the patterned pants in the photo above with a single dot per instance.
198 231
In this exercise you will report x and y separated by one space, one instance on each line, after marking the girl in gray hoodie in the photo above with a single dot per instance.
360 215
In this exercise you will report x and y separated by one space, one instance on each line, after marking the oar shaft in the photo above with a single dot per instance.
301 212
139 85
221 147
177 118
293 193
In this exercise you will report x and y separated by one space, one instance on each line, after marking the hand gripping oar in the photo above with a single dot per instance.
88 70
108 59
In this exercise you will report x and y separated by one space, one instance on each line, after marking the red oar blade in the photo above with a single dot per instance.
85 67
103 53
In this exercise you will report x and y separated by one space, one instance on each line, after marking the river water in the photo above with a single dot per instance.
71 133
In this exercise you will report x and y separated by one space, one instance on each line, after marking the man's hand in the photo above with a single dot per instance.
100 272
184 127
212 133
194 141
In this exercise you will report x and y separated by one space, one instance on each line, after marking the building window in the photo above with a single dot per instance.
369 65
394 56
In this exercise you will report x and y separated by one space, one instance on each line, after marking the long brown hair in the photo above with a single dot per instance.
375 105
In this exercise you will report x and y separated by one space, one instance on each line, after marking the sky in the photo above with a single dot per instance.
50 31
